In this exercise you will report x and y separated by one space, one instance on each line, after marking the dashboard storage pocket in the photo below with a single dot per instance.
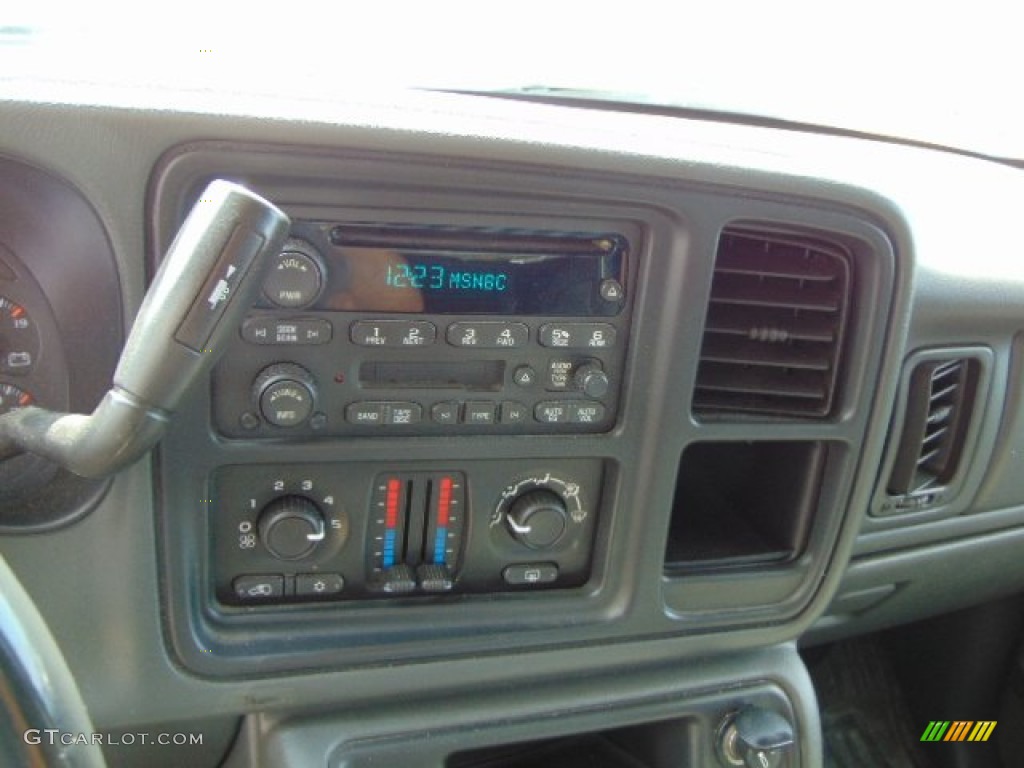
743 503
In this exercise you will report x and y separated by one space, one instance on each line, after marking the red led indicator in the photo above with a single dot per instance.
444 502
391 506
18 312
25 398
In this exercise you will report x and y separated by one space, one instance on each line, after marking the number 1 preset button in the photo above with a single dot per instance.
393 333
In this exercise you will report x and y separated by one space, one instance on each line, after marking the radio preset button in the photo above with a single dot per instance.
366 414
577 335
479 412
393 333
513 412
488 335
552 412
399 414
302 332
445 413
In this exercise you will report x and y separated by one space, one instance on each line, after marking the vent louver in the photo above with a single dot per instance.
775 324
939 401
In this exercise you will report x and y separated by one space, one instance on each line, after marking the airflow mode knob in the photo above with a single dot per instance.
537 519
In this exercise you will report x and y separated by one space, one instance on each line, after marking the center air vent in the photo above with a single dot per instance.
775 323
939 403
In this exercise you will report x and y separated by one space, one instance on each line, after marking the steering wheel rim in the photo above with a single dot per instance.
37 690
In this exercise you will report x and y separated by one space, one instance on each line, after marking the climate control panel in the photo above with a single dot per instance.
326 533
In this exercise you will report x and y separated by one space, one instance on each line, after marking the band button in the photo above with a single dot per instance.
366 414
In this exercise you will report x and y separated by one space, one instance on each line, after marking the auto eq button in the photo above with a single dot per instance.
552 412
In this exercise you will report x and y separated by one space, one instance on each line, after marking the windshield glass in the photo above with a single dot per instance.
942 74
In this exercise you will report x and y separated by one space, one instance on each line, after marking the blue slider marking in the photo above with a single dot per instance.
439 539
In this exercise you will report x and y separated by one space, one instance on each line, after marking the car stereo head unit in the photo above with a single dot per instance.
395 329
451 272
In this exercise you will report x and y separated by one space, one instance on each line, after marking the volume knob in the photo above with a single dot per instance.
537 519
291 527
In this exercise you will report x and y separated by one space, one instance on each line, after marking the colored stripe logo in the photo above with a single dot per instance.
958 730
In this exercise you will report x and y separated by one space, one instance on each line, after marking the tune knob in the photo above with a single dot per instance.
291 527
591 380
284 394
537 519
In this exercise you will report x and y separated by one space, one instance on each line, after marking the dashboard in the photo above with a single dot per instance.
550 426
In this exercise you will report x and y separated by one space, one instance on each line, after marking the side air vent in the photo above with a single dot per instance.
774 330
939 404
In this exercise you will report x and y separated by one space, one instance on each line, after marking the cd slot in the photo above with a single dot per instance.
492 240
473 375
